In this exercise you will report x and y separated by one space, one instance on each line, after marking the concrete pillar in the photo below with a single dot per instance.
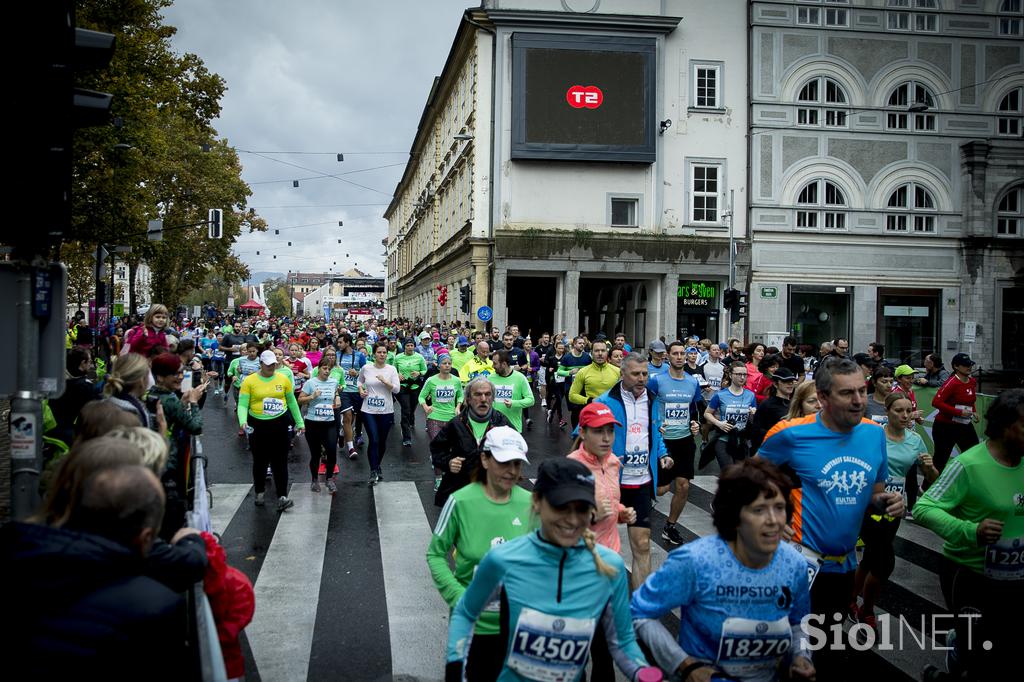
667 307
571 302
480 285
499 291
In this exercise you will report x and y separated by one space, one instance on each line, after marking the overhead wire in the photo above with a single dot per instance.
314 170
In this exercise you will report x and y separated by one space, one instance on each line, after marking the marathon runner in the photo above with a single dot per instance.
742 592
556 586
955 401
491 510
378 384
512 391
569 366
594 379
346 372
321 394
263 400
478 365
977 507
729 411
411 367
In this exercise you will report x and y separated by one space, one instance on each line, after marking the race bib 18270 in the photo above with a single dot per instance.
748 648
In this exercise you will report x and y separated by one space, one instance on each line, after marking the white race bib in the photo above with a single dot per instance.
1005 560
635 465
503 392
963 420
750 648
737 415
550 648
677 414
375 402
273 407
559 379
444 394
325 412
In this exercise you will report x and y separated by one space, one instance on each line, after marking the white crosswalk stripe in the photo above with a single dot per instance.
225 500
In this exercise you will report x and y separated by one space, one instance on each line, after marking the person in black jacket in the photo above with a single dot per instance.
456 448
774 409
77 392
84 606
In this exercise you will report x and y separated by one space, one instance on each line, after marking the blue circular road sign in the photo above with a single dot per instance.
485 313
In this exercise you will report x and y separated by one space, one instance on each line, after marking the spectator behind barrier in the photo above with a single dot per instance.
85 610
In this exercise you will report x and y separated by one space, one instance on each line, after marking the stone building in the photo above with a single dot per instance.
887 161
574 166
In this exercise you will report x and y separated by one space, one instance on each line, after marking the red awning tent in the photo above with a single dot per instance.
251 305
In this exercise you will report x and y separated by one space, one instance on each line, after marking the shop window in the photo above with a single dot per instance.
908 324
1010 213
902 213
819 314
819 203
1010 111
911 94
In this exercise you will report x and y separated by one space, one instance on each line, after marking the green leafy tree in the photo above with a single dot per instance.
80 260
159 159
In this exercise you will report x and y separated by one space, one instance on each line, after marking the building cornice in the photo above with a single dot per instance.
616 23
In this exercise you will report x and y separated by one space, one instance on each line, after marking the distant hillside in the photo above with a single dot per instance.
260 277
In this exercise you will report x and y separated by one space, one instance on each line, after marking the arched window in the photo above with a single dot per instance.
1010 213
1010 113
817 98
1012 24
819 203
910 201
911 97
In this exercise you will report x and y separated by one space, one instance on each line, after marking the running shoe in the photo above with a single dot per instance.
332 487
352 453
259 499
671 534
269 472
360 441
407 442
314 487
373 478
284 503
561 423
529 423
853 612
544 404
380 475
551 415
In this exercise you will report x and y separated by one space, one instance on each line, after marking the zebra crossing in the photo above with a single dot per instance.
343 590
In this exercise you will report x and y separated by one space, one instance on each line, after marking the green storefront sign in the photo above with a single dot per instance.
769 292
697 294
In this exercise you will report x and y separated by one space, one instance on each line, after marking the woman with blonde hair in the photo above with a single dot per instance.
804 401
128 381
152 445
152 333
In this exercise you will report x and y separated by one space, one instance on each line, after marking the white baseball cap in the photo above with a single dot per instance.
267 357
505 444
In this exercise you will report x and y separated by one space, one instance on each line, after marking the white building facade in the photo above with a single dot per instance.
886 147
575 169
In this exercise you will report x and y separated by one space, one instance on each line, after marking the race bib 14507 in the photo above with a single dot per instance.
550 648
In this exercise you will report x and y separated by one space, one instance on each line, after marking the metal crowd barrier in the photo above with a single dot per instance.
202 628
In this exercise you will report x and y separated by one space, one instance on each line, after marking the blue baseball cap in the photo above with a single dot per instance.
462 341
692 349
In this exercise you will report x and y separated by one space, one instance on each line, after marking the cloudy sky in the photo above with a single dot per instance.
320 77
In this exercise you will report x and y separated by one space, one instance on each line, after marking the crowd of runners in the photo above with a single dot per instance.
818 449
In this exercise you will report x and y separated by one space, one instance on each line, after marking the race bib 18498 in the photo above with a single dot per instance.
550 648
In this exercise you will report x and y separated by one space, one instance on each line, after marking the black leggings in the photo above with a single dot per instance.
556 394
947 434
486 657
322 436
269 444
879 557
970 594
408 399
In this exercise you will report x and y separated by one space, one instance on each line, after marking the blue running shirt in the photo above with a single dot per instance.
732 408
676 403
838 472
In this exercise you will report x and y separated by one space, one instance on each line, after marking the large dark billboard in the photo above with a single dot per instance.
588 98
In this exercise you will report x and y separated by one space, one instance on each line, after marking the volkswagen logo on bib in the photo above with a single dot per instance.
558 625
761 628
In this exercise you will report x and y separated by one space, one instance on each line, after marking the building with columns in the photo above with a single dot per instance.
887 160
575 167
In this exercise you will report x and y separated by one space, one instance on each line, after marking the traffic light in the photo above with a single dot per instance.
464 303
730 299
741 307
216 223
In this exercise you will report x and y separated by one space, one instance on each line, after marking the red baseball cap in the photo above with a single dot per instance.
597 414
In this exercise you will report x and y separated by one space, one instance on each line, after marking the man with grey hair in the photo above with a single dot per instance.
638 445
85 608
840 461
455 449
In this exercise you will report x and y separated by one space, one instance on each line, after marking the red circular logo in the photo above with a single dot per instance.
584 97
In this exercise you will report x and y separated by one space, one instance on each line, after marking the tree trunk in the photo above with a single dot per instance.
132 272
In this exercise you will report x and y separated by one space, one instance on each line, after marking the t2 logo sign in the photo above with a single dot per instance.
584 97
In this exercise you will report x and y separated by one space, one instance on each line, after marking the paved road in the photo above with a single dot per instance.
342 587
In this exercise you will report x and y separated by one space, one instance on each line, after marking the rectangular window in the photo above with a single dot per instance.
1008 226
837 17
624 212
807 219
807 117
899 21
1009 26
924 122
896 121
808 16
705 194
835 221
926 22
896 223
899 3
707 84
835 119
924 223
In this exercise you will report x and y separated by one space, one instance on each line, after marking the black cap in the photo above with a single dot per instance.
561 481
962 359
862 359
783 374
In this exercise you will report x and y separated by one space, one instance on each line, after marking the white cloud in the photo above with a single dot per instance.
319 76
